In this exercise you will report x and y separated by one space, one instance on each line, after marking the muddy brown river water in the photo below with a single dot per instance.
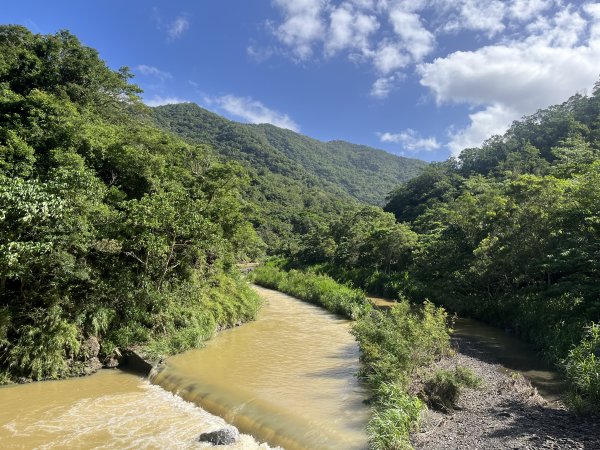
288 378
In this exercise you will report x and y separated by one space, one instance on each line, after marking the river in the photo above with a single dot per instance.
288 378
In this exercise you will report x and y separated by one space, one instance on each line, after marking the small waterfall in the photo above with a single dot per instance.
251 415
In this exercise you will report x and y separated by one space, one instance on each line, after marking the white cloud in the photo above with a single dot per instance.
157 100
410 140
515 78
302 25
349 29
153 71
416 39
520 55
176 28
254 111
524 10
492 120
383 86
390 57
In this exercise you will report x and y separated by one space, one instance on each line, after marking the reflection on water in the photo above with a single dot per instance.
288 378
109 410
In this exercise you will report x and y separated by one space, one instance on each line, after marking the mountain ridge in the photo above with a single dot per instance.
364 173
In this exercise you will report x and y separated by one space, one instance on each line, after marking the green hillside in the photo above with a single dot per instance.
364 173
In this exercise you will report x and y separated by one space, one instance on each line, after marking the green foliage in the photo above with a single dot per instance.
442 390
44 345
318 289
394 346
396 415
364 173
109 227
509 233
296 183
582 366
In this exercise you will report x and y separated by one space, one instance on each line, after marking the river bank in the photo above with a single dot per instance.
505 413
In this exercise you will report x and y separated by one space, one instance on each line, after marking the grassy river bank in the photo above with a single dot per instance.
432 389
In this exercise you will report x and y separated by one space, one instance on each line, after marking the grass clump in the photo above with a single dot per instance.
394 347
397 413
442 390
582 367
318 289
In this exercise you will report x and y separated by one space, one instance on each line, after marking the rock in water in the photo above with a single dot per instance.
224 436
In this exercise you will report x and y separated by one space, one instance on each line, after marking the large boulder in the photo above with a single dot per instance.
224 436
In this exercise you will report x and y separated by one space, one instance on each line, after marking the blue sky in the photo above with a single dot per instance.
420 78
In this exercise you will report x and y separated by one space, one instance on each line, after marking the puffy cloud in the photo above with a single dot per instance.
410 140
490 121
479 15
524 10
157 100
390 57
349 29
383 86
254 111
153 71
515 78
302 25
416 39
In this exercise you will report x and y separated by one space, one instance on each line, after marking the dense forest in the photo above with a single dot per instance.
295 181
508 233
110 229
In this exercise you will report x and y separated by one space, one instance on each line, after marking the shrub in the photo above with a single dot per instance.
393 347
582 367
392 422
44 346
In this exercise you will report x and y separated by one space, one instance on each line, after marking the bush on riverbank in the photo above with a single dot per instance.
318 289
442 390
583 369
395 346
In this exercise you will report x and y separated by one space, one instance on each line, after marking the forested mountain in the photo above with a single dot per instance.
113 233
296 182
364 173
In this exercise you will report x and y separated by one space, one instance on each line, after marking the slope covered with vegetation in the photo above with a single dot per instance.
296 182
110 229
508 232
364 173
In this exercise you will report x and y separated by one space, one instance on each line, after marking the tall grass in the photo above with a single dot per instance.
321 290
394 347
582 367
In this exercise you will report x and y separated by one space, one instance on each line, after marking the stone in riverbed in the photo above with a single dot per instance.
223 436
